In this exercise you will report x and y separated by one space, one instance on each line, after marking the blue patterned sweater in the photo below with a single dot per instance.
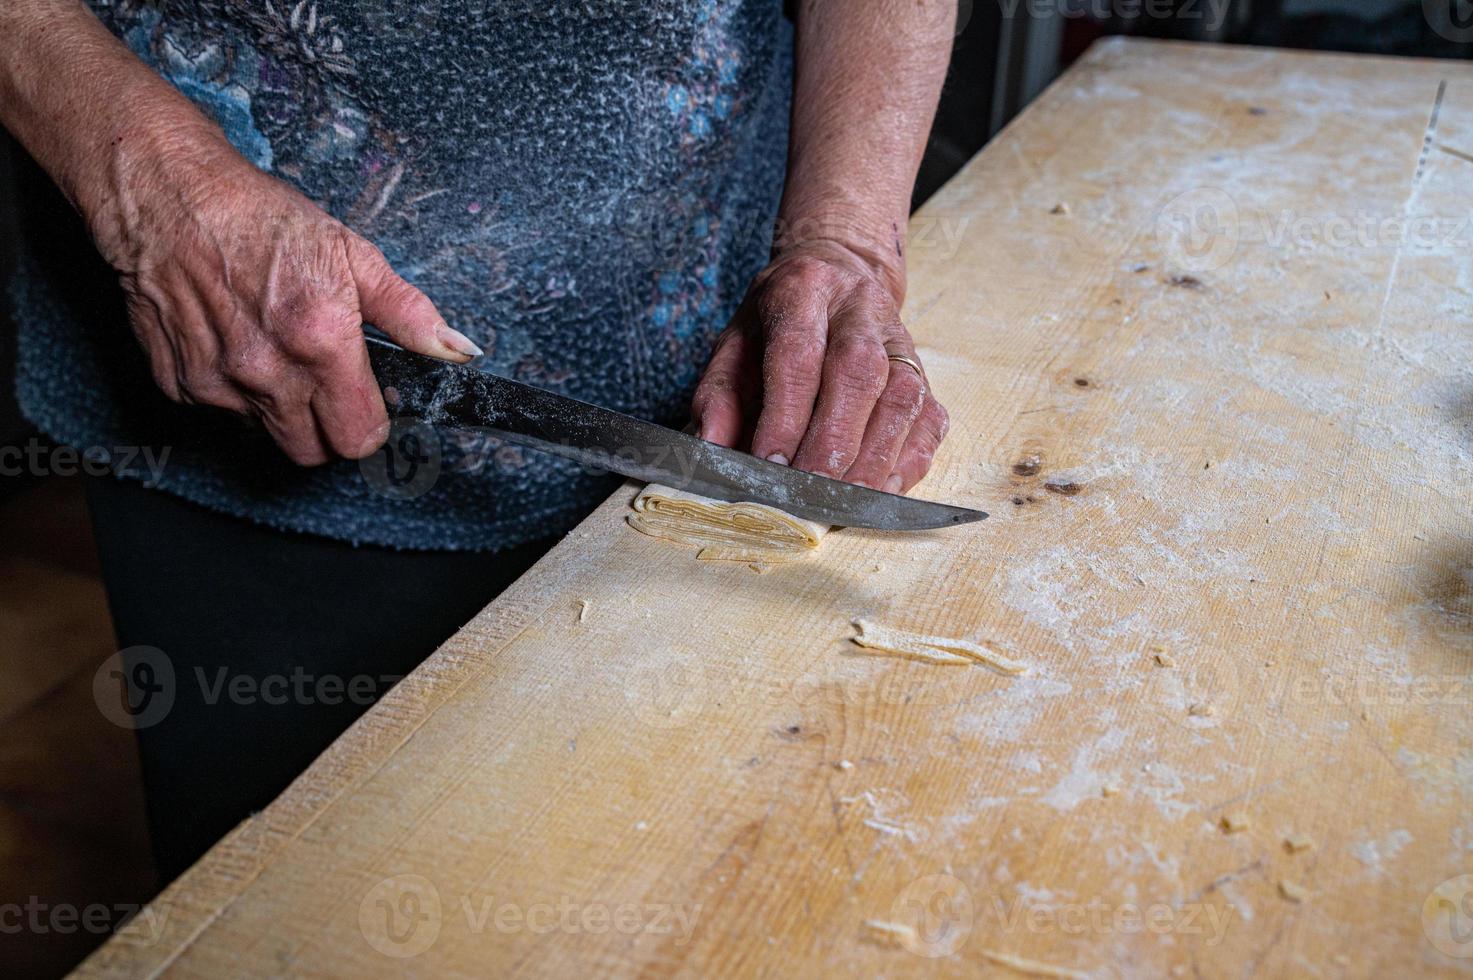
583 187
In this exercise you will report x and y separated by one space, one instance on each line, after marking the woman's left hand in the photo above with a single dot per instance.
804 368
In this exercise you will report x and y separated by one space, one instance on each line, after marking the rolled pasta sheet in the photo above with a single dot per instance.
744 532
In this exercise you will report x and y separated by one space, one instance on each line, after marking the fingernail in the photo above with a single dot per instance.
456 340
375 440
778 458
892 485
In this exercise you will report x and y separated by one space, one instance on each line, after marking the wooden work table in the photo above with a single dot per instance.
1202 320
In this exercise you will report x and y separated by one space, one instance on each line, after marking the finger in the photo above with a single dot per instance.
152 311
921 443
795 330
321 359
297 436
288 418
196 336
855 372
401 311
199 383
716 407
349 406
889 425
150 333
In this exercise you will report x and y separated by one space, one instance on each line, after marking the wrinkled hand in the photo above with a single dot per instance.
248 297
803 366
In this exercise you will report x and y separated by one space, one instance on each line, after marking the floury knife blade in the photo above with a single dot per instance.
454 395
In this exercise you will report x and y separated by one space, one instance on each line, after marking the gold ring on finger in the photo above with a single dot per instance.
909 362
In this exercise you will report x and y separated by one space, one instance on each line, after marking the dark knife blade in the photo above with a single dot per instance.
439 393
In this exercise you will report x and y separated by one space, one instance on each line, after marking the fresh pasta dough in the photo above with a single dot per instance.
934 649
743 532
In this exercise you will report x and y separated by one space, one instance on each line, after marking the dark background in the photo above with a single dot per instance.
11 426
1001 63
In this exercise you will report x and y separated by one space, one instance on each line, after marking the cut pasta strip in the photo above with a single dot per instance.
741 532
1033 967
890 933
932 648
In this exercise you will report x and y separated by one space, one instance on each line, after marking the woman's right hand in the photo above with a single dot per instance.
245 294
248 297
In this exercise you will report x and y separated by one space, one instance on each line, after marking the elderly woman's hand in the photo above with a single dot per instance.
805 367
248 297
245 294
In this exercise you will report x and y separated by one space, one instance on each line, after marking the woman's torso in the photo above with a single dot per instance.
583 188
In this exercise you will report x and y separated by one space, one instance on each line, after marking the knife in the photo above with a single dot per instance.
455 395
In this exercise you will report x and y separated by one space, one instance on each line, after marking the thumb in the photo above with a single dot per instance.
401 311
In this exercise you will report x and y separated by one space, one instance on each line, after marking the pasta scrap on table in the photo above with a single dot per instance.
1033 967
1235 823
889 933
1292 890
754 534
931 649
1295 843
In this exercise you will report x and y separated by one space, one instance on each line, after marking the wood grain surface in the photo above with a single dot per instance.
1202 319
